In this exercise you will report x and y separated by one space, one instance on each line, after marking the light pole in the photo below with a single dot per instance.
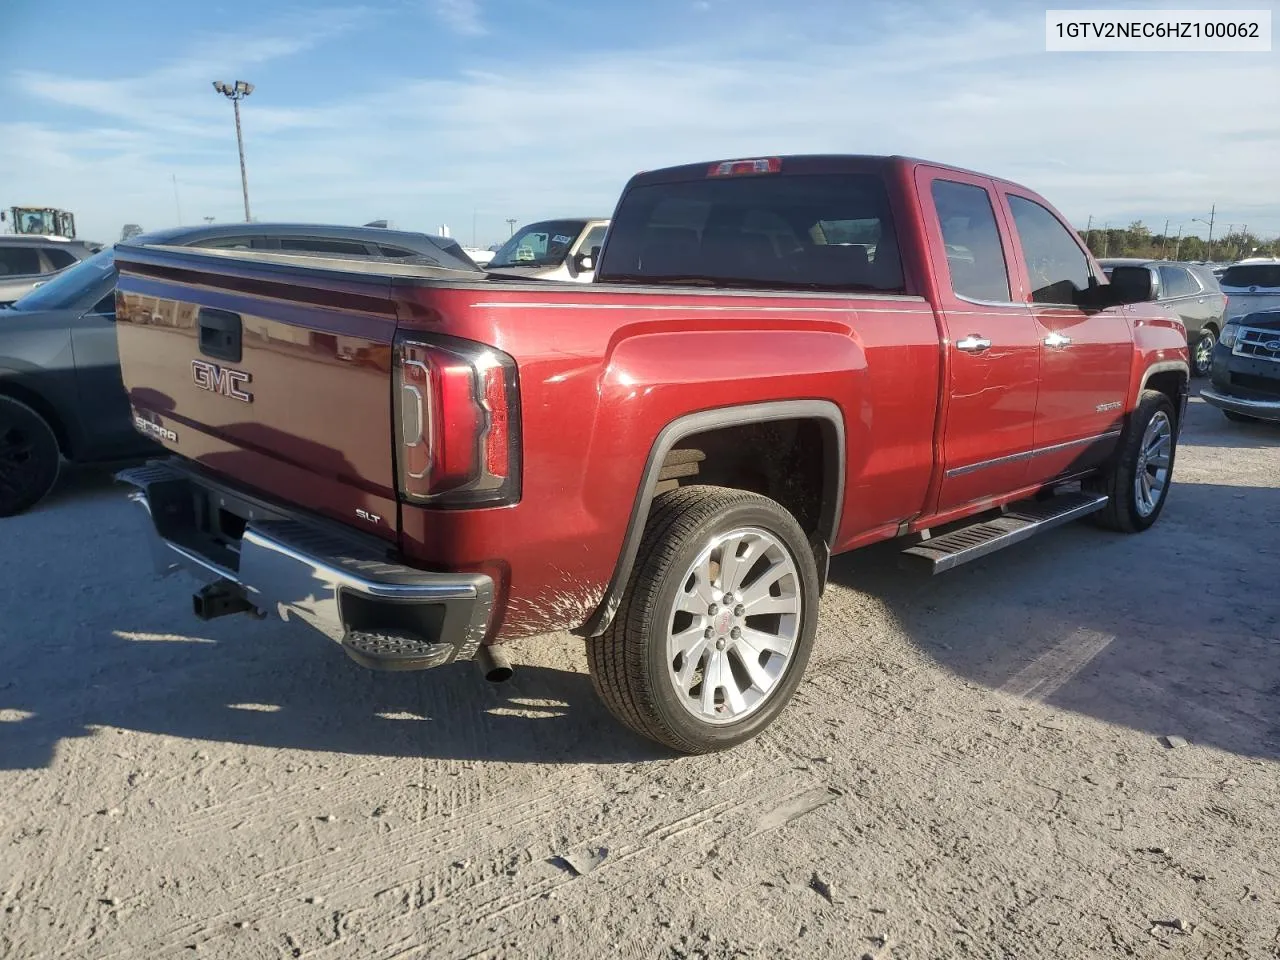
1212 212
235 92
511 222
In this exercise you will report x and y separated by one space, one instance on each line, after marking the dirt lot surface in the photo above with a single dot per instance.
973 767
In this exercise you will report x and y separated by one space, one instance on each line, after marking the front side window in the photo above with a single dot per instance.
594 238
1056 264
975 258
805 231
58 259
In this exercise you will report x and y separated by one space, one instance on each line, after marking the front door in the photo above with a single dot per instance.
992 341
1086 357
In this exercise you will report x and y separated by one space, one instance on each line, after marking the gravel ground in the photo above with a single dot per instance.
1069 749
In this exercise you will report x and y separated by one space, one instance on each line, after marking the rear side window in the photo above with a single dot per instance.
321 245
1055 262
59 259
969 232
19 261
817 232
1177 282
1252 275
228 243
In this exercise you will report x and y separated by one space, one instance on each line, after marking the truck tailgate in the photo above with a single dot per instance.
254 370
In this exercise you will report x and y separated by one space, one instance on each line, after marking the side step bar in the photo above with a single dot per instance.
1019 522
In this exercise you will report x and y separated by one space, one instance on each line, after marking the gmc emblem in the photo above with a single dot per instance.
216 379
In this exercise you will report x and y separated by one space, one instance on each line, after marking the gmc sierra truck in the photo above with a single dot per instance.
780 359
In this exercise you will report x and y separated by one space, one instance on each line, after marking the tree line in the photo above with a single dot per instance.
1137 240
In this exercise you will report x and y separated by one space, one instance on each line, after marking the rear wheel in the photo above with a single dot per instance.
1139 477
1202 352
29 458
716 626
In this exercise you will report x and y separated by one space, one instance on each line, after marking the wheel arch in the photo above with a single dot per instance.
825 413
1173 379
16 390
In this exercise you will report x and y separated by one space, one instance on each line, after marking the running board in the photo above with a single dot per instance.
1019 522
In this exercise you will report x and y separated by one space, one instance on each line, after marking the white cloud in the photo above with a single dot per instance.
975 91
462 16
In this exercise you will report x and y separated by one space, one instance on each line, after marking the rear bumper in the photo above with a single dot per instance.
1261 409
385 615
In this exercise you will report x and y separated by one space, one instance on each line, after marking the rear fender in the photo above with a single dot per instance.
821 410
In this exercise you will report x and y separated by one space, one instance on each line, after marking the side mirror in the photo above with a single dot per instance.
1128 285
583 262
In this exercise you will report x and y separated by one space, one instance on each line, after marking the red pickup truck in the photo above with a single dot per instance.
780 359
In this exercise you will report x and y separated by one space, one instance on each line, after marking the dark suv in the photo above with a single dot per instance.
61 396
1246 368
1192 292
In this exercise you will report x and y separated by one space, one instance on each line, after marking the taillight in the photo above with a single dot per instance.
740 168
457 423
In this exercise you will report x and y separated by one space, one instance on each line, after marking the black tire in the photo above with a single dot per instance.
629 666
29 458
1202 352
1238 417
1123 512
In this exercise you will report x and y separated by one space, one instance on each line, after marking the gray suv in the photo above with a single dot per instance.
1192 292
26 262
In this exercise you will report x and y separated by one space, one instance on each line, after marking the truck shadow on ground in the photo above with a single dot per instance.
295 690
1172 632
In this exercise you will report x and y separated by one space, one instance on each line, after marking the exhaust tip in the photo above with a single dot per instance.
494 664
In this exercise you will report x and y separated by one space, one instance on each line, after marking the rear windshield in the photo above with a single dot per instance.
818 232
1252 275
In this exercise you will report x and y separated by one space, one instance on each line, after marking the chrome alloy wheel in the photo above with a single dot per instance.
1154 458
734 625
1203 354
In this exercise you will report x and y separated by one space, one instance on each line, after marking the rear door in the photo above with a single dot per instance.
1182 293
992 341
1086 358
276 378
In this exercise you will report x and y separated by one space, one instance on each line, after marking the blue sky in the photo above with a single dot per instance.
472 111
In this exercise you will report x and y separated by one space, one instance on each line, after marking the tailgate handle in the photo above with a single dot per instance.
220 333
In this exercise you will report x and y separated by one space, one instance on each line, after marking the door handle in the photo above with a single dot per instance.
220 334
973 343
1056 339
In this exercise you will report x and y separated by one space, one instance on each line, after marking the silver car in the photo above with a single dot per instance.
26 262
1191 291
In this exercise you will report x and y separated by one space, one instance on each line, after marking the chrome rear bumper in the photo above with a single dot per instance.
386 615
